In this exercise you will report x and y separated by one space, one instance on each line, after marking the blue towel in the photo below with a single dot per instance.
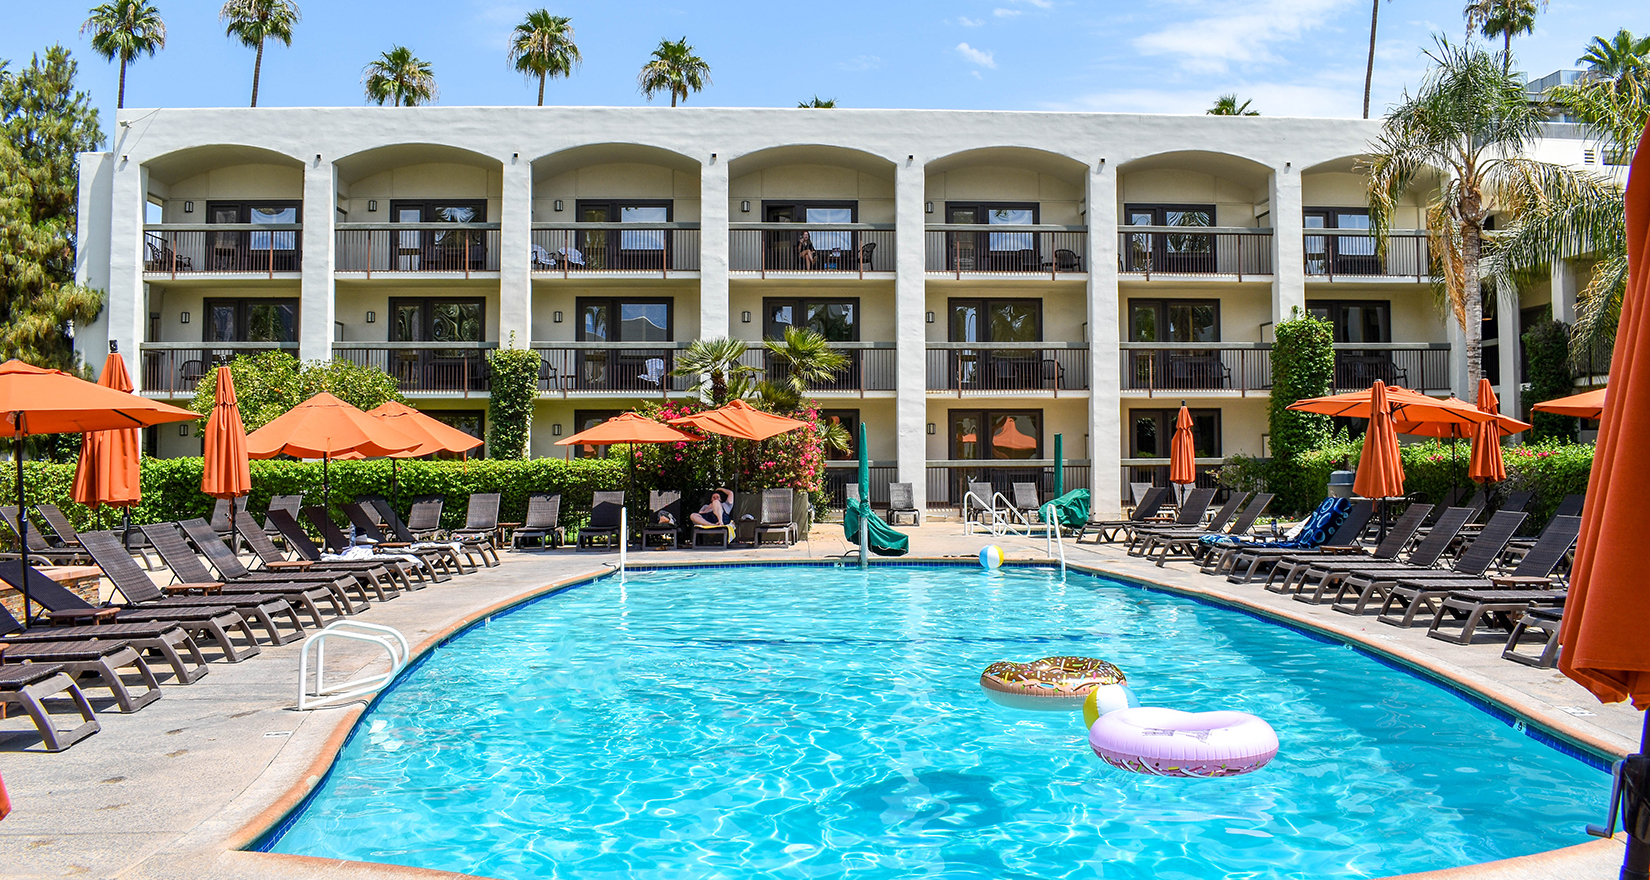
1313 533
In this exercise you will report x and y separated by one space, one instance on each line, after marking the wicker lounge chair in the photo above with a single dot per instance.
167 640
400 554
1191 545
424 519
1289 572
1534 572
901 501
1242 563
1378 581
1332 572
332 536
220 517
1547 621
192 574
63 533
1334 519
480 525
1108 530
1190 515
289 503
777 516
103 659
39 548
231 571
1143 536
273 561
452 562
28 685
604 521
543 522
664 520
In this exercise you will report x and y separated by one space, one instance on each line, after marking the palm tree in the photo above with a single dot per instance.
1505 19
674 69
1469 123
400 78
1369 68
125 29
542 46
817 103
255 21
1227 105
719 361
804 357
1621 54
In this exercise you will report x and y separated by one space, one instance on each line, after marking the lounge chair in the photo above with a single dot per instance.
310 554
1294 568
543 522
28 685
452 562
1379 581
192 574
39 549
1547 621
1328 521
604 521
901 501
777 516
722 535
289 503
1192 508
220 517
424 519
398 554
664 519
1144 534
168 640
1469 608
1571 505
978 508
1332 571
480 527
1533 573
1026 500
1108 530
1192 546
103 659
233 572
273 561
64 535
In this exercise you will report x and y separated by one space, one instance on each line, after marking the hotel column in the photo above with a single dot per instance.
1564 291
1288 244
126 313
1105 440
318 306
1508 347
515 240
714 318
910 331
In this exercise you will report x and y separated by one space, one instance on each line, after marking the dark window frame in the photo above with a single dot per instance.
850 421
985 417
802 205
427 315
580 417
1160 211
1162 306
985 304
604 248
1337 316
801 303
1165 421
1169 252
445 415
617 325
241 303
235 249
424 206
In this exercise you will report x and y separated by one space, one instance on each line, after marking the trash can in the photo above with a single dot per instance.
1340 484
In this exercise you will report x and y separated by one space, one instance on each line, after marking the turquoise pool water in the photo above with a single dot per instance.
817 722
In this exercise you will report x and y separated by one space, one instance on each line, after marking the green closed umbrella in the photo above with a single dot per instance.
1059 465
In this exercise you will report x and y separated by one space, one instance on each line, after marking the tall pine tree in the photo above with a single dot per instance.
45 122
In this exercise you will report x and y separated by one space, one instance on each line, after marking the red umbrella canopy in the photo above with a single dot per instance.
109 471
1182 451
740 420
40 401
1380 468
1487 465
326 427
225 472
1587 405
627 428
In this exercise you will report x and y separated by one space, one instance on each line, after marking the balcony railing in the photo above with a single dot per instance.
966 250
871 367
948 481
1156 472
582 249
1178 250
838 248
1008 367
175 250
447 367
401 248
839 475
1352 253
177 367
638 369
1247 367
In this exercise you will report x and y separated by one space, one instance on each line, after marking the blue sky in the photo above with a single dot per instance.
1291 57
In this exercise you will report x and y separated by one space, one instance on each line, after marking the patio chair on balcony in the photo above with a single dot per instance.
865 251
541 258
655 373
1200 371
162 258
1066 260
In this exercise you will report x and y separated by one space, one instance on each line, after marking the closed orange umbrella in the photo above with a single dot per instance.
109 471
1380 469
225 472
740 421
1602 635
1182 451
325 427
1587 405
1487 465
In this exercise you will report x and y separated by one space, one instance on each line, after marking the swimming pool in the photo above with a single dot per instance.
817 721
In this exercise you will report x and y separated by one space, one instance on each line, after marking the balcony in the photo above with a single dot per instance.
440 368
948 481
580 250
1008 368
871 367
1238 253
839 475
601 368
1245 368
840 250
175 368
176 250
1332 254
450 249
985 251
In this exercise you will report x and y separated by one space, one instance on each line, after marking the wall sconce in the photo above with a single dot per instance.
745 206
745 317
183 317
555 430
929 317
114 346
372 317
928 207
556 317
930 427
183 430
558 204
514 156
372 206
188 207
713 157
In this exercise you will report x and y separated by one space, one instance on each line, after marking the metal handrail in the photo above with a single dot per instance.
578 226
1004 227
1052 536
223 227
215 346
1005 346
391 640
984 505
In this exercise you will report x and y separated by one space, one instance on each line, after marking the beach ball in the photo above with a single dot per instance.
1107 698
991 558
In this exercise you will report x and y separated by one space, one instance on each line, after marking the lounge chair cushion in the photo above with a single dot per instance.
1313 532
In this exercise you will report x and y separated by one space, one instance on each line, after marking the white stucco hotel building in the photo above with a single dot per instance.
996 277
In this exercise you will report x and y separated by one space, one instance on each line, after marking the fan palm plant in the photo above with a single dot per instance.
125 29
1618 56
1505 19
399 78
817 103
674 69
1227 105
1467 125
542 46
805 357
254 21
718 360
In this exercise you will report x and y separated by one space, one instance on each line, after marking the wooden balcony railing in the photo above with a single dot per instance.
871 367
963 251
402 248
1008 367
580 249
1247 366
448 367
1352 253
637 369
1178 250
178 367
948 481
839 249
176 250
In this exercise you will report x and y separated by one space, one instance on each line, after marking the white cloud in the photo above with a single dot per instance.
861 62
976 56
1040 4
965 21
1006 13
1242 35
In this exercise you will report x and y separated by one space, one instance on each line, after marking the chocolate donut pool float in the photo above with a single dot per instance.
1058 683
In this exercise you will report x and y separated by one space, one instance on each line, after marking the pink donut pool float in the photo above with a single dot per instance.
1168 742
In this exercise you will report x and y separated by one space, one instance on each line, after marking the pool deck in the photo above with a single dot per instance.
173 791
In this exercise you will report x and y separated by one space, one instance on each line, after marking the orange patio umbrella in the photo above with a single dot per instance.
740 421
109 472
39 401
433 435
325 427
225 472
628 428
1182 451
1380 467
1406 407
1602 634
1587 405
1487 465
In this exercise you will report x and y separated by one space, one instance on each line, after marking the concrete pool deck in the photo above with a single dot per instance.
172 792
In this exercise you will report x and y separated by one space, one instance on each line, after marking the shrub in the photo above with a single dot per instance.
269 383
1303 364
514 387
1548 348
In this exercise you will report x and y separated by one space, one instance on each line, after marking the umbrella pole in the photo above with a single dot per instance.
1635 808
22 519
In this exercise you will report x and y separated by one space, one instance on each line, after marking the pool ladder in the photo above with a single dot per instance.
323 695
1053 540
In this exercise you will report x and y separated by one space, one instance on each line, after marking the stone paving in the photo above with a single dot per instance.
175 790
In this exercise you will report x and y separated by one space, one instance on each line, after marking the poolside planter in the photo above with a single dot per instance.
1340 483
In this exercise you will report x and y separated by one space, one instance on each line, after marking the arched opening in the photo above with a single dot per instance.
582 195
1018 187
810 210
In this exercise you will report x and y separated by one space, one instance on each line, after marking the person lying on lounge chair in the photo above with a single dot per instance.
719 512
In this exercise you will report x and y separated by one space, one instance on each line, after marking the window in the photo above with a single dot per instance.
1339 254
1361 321
1170 251
640 250
783 252
252 250
470 421
625 320
835 319
1489 348
584 420
250 320
849 420
1176 321
998 321
1152 430
992 251
628 320
996 434
438 320
436 250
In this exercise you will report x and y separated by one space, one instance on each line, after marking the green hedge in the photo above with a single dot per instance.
171 486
